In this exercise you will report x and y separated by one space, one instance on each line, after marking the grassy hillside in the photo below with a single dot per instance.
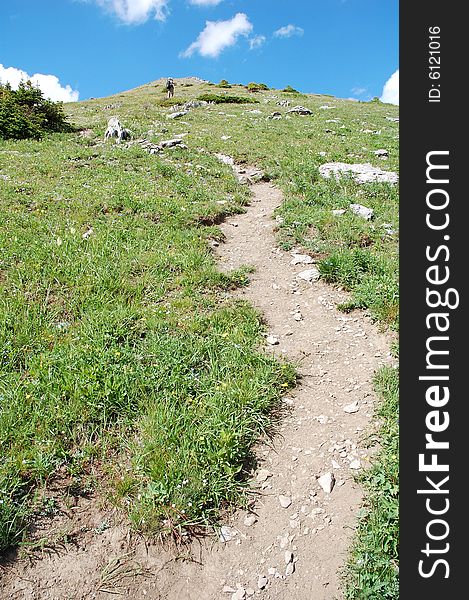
125 360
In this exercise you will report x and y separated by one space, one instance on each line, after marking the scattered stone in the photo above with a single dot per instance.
115 129
255 111
240 594
352 408
285 501
393 119
226 534
326 107
362 173
327 482
87 233
272 570
301 259
288 556
310 274
262 581
262 475
355 463
272 340
284 542
388 228
226 137
339 211
381 153
362 211
322 419
249 520
249 592
322 153
290 569
285 103
300 110
177 115
194 104
298 316
227 589
170 143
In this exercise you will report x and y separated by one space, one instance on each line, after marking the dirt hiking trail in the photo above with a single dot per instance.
293 543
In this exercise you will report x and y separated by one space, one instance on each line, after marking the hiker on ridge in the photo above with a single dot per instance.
170 87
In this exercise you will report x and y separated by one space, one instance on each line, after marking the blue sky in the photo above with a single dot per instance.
94 48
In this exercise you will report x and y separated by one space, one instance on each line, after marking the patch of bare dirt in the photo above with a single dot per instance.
294 541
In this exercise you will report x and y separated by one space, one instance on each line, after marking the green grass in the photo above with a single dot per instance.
138 372
372 571
123 351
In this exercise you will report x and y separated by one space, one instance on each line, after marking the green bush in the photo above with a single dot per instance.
290 90
25 113
222 99
168 102
256 87
224 84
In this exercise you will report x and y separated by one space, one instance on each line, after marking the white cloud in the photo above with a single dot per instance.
288 31
219 35
390 93
135 11
49 84
205 2
358 91
256 42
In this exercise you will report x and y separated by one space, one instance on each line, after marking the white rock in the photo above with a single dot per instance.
290 569
339 211
362 173
288 556
285 501
170 143
300 110
310 274
226 533
381 153
227 589
249 520
355 463
177 115
249 592
272 340
272 570
352 408
262 475
225 159
327 482
301 259
262 581
362 211
240 594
